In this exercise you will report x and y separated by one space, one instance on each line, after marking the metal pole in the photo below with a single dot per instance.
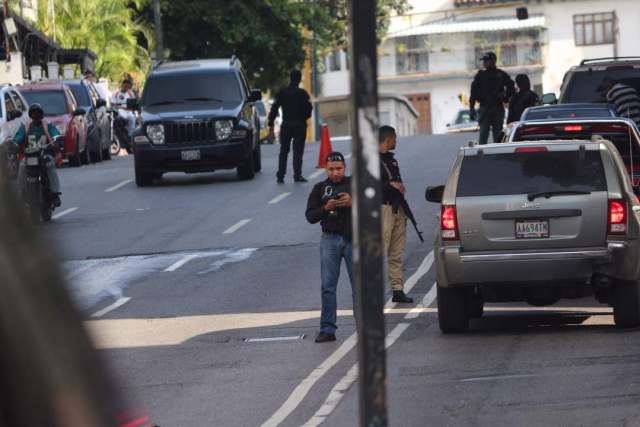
366 190
316 89
157 16
7 45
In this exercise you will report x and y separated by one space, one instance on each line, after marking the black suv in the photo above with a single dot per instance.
580 83
197 116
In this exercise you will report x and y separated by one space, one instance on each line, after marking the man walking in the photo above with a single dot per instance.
296 110
394 219
330 205
492 88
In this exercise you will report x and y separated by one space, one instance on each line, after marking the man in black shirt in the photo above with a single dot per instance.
493 88
296 110
330 205
394 219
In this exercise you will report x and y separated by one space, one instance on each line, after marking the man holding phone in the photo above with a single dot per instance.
330 204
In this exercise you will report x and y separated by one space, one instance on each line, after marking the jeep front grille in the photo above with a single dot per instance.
190 132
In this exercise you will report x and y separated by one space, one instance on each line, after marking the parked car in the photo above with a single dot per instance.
263 115
13 114
536 222
197 116
580 83
463 123
97 117
61 109
622 132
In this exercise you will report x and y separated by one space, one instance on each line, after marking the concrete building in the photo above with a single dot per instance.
431 54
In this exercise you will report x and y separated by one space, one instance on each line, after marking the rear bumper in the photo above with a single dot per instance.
152 158
455 267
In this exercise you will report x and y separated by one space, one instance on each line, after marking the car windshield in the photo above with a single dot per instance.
526 173
194 87
583 85
463 117
557 113
80 93
52 101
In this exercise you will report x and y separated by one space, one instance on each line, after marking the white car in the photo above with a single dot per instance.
14 113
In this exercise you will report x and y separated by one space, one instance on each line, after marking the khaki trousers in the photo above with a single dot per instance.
394 239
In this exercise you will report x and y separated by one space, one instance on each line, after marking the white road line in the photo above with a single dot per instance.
498 377
300 392
237 226
272 339
63 213
316 174
119 303
279 198
117 186
180 263
429 298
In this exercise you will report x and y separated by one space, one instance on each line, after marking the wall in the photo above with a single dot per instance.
11 72
335 83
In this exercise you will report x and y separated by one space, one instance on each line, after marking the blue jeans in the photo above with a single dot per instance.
333 248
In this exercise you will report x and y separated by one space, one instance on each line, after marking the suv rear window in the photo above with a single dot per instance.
221 87
555 113
53 102
524 173
583 85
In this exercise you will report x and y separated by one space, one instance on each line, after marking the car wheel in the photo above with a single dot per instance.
75 159
143 179
86 154
452 310
106 151
96 156
114 148
476 306
258 159
246 171
626 304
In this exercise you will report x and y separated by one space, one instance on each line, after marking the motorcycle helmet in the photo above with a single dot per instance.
36 112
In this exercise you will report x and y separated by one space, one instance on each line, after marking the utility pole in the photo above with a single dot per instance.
7 45
157 16
367 230
315 86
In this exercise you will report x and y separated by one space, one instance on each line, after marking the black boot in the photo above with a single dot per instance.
400 296
300 179
325 337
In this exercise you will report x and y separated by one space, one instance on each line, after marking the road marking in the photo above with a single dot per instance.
316 174
426 302
117 186
498 377
299 393
279 198
272 339
237 226
119 303
180 263
63 213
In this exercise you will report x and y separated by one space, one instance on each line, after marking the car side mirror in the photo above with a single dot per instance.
434 194
101 103
133 104
79 112
255 95
549 98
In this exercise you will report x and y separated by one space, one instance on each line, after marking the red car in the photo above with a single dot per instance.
61 109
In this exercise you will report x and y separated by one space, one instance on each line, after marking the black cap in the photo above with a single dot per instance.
35 107
335 156
489 55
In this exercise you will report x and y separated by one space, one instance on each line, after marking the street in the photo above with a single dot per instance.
202 294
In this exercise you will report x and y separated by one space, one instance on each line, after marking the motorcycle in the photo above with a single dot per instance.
119 134
37 196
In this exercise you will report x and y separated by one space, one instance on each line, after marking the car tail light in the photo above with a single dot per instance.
573 128
531 150
449 223
617 217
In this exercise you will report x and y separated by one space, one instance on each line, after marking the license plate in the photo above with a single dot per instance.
190 155
532 229
33 161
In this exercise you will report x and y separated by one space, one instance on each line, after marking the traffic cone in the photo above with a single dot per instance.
325 147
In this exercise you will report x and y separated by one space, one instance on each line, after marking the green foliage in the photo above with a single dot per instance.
105 26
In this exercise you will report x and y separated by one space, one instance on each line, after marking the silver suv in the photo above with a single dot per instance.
537 222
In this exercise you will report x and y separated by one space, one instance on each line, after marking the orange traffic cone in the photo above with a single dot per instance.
325 147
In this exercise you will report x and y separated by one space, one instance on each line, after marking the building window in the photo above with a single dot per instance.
594 28
513 47
335 60
412 55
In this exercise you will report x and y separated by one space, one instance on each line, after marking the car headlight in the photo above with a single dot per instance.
224 128
156 133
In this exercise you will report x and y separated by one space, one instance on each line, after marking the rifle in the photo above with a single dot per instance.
409 214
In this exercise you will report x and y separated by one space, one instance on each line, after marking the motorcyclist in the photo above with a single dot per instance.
39 132
119 101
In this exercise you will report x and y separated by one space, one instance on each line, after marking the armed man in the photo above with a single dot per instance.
395 212
492 88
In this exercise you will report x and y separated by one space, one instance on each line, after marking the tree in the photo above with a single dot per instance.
267 35
105 26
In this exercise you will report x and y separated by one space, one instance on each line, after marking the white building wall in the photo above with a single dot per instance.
335 83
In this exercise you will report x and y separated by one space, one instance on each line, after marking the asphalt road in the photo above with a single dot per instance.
203 295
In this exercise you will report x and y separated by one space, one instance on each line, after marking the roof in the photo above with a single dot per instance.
36 87
195 65
455 26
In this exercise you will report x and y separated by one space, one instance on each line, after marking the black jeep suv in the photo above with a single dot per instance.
197 116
